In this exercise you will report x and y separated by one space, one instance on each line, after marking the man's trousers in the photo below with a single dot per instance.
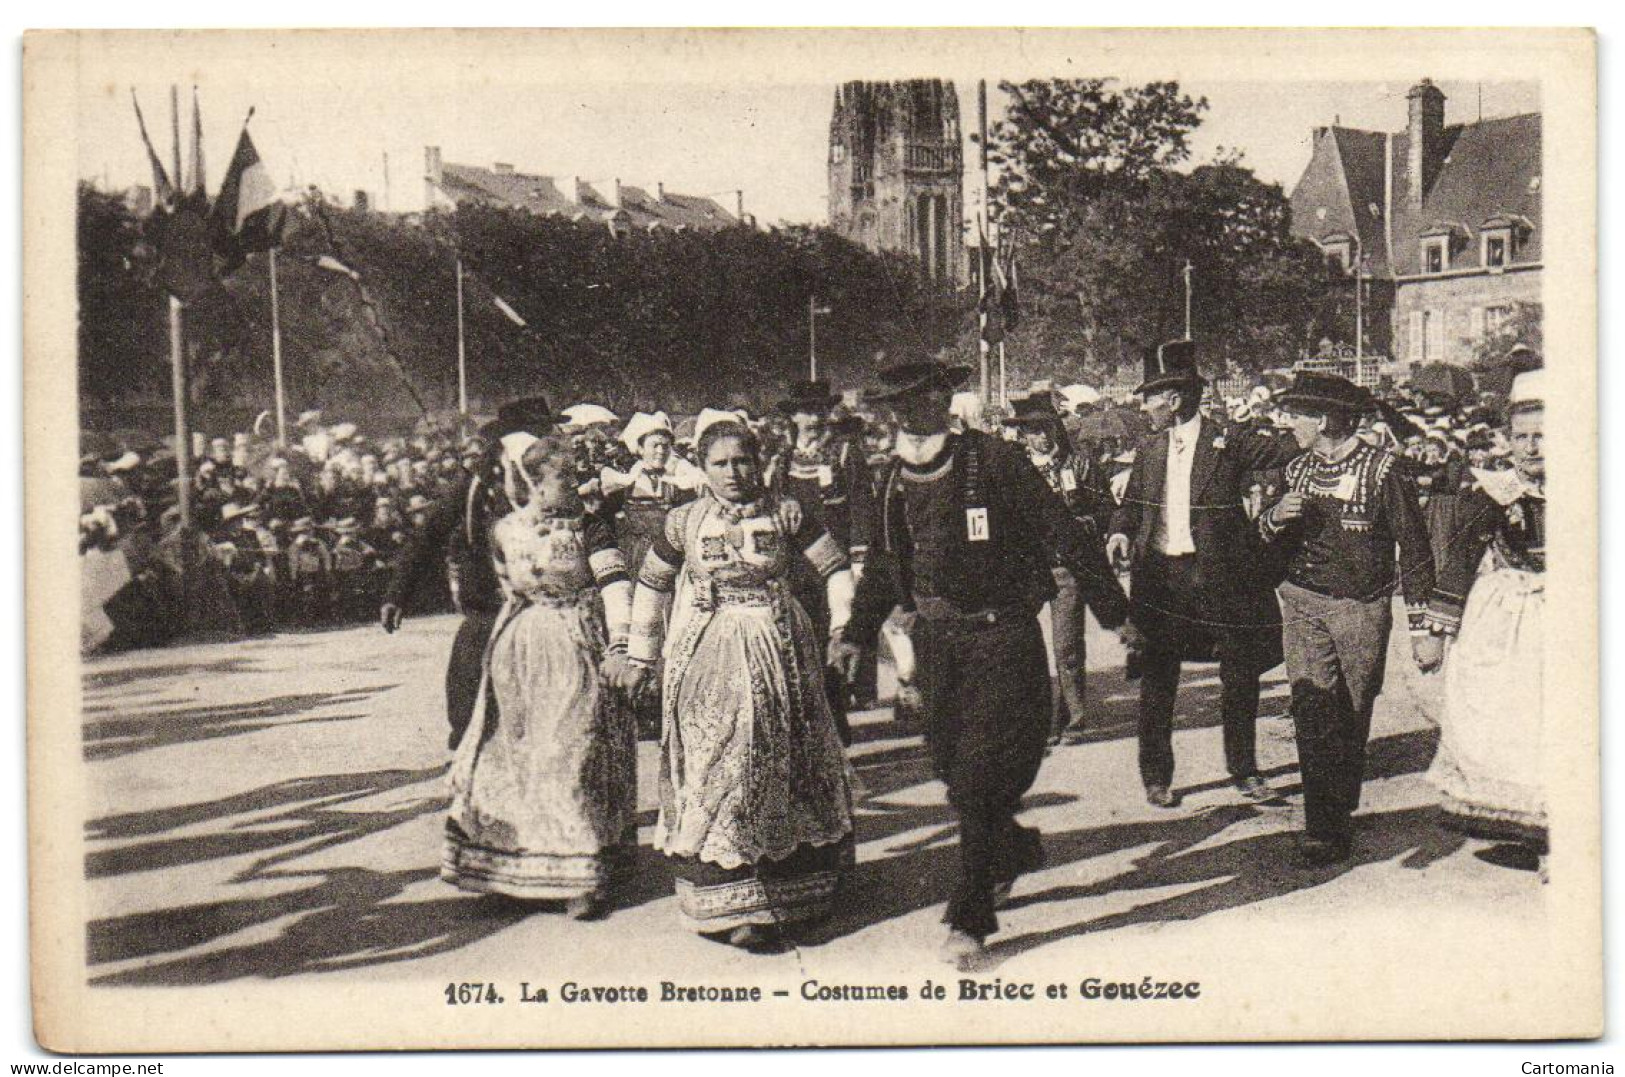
985 690
1336 650
463 670
1182 629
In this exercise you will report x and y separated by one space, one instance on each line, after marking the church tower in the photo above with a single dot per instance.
896 172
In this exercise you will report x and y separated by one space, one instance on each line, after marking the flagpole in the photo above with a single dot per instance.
175 126
183 428
1187 299
177 369
981 249
1004 395
276 358
462 358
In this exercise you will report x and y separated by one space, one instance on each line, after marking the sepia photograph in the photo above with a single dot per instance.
711 538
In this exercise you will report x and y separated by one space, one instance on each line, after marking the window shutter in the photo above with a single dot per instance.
1436 335
1475 324
1416 336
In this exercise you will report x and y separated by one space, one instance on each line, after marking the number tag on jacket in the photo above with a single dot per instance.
826 475
1069 480
976 524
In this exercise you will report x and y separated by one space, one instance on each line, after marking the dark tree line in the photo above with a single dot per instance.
670 319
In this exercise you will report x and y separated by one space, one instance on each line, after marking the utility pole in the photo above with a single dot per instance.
462 355
1187 299
981 249
813 311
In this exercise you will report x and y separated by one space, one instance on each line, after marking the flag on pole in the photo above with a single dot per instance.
513 315
1009 284
247 215
990 308
163 191
333 265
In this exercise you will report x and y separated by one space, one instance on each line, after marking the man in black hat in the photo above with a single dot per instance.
967 532
1346 507
1200 586
457 531
829 477
1081 485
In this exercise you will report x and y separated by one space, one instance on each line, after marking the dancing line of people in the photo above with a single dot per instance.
757 585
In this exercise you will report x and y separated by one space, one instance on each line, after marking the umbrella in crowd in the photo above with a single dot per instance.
1076 395
1442 380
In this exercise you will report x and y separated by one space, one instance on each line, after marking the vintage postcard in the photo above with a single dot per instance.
658 538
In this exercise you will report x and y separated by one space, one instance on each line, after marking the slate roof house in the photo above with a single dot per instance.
1443 221
621 207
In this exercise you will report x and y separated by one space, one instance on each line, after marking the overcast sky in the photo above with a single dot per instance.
333 125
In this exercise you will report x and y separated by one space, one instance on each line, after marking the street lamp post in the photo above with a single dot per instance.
813 311
1187 299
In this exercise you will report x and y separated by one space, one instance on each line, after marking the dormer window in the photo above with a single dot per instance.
1502 235
1339 249
1435 254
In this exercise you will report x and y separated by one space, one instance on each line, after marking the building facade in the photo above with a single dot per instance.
1441 224
896 172
620 207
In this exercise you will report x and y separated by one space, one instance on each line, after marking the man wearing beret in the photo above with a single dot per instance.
457 529
1346 508
1200 586
966 535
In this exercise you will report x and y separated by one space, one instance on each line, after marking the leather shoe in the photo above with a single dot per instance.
1255 789
1158 796
1321 852
961 950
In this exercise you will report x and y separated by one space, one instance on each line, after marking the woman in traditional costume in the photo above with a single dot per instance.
544 790
1490 597
755 802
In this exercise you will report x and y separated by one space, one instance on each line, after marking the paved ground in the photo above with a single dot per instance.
273 808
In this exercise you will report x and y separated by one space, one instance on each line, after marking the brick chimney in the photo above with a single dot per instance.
739 205
1425 148
613 192
570 188
660 191
433 174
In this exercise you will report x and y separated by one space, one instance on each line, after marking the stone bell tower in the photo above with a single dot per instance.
896 172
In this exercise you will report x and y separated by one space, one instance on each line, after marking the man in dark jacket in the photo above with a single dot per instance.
1080 484
967 534
1201 583
829 478
458 529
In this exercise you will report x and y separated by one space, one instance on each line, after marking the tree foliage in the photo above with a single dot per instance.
1066 141
1522 326
1105 227
676 320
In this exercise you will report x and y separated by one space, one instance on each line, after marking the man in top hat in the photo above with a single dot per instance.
829 477
967 533
1199 584
456 531
1080 484
1346 507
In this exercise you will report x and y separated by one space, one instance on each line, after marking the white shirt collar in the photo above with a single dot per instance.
1185 433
